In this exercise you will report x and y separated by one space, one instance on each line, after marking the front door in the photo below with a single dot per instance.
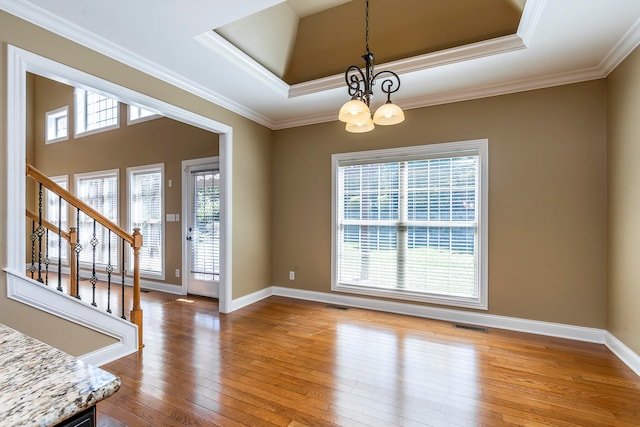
203 230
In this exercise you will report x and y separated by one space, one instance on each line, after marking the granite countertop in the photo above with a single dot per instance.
42 386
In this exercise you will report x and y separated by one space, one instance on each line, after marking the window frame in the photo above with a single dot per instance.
85 132
157 167
479 147
101 174
62 181
131 121
53 114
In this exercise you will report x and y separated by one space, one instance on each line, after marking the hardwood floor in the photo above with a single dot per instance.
284 362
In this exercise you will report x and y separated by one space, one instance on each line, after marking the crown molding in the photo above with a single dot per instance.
64 28
530 19
422 62
215 42
622 49
487 91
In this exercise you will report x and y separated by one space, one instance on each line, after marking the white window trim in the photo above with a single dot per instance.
130 172
98 174
55 112
80 134
479 147
131 121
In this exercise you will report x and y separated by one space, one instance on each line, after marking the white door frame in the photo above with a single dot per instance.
185 214
19 62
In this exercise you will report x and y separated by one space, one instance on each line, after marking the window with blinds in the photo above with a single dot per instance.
57 211
411 223
100 191
146 203
205 232
95 112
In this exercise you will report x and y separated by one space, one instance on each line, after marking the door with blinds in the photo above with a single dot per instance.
203 230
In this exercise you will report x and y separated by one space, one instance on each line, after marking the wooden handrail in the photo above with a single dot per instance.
46 224
75 202
134 239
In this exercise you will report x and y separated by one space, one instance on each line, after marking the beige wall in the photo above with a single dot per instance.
154 141
547 196
251 175
623 157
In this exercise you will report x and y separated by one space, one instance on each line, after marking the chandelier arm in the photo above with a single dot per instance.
391 82
355 80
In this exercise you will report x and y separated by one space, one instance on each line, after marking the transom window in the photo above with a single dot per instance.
95 112
146 207
138 114
410 223
57 125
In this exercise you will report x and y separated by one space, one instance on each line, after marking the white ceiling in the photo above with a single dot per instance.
558 42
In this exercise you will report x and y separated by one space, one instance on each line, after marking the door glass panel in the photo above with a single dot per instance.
205 233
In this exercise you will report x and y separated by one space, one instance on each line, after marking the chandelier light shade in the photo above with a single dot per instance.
355 112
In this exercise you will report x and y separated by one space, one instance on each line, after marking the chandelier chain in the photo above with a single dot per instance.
366 28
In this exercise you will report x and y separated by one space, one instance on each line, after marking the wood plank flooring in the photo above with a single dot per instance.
284 362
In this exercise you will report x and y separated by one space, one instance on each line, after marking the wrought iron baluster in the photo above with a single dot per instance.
32 268
78 249
94 242
46 260
109 271
40 233
59 288
122 269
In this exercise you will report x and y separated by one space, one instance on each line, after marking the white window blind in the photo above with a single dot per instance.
146 213
205 233
410 224
94 111
100 191
57 212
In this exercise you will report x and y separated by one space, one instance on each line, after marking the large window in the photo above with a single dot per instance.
56 213
95 112
146 207
100 191
410 223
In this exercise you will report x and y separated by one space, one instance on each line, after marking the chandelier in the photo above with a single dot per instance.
356 113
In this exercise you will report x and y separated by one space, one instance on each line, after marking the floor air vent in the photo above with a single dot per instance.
336 307
472 328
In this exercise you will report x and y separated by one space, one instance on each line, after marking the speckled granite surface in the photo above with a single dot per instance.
42 386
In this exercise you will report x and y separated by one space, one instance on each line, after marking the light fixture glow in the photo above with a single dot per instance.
356 113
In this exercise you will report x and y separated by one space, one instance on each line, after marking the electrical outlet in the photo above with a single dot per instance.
292 275
177 272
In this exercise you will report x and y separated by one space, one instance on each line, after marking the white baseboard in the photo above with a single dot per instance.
624 353
45 298
451 315
246 300
107 354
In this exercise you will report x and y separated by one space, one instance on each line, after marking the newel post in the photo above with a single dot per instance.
136 311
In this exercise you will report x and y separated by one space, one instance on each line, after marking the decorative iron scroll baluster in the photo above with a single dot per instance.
33 238
78 249
59 288
122 269
94 242
46 260
109 271
40 233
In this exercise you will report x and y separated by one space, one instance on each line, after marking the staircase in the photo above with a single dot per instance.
92 246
